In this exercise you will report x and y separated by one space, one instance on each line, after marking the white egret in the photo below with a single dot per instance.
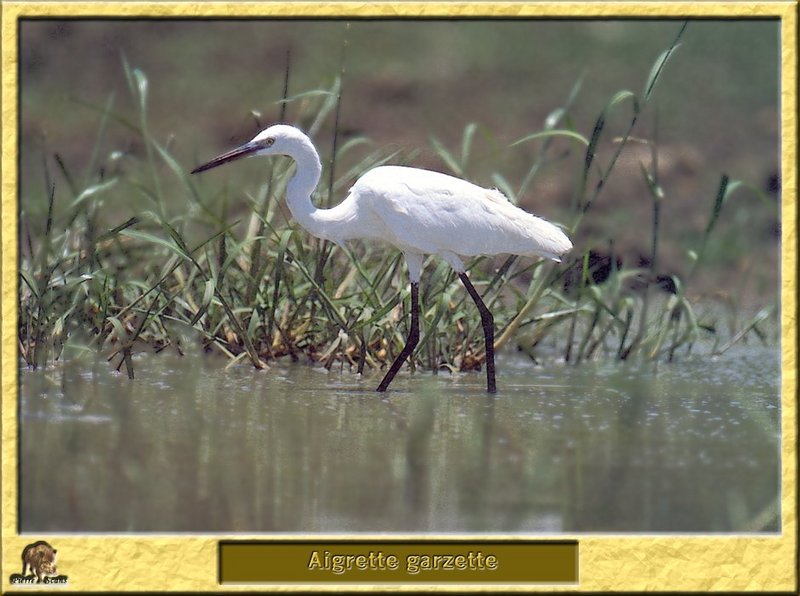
419 211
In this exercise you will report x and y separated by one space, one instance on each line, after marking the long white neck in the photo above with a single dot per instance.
337 223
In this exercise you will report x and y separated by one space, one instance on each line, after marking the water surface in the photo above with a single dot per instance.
192 446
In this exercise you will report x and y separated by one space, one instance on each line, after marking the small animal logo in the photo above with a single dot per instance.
38 565
40 559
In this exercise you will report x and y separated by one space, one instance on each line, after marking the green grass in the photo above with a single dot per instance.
195 266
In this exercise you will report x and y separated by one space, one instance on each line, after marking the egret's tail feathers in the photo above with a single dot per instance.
531 234
550 241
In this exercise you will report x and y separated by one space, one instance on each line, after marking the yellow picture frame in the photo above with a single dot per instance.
141 562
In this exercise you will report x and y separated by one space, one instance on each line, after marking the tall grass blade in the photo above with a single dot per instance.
661 61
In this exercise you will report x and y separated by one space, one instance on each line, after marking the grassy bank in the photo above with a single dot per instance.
226 267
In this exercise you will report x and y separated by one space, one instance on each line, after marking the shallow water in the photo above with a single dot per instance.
191 446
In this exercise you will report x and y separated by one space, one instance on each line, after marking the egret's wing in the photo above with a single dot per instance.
434 213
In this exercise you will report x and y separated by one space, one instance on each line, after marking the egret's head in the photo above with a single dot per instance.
279 139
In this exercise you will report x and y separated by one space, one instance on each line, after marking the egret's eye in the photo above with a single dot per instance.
268 142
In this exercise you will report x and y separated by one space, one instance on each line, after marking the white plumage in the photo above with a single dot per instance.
433 213
419 211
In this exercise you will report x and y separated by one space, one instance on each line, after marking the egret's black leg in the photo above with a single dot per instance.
411 343
487 320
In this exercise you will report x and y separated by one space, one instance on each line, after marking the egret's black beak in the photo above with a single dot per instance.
245 150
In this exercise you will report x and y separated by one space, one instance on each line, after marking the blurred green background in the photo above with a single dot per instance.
212 84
